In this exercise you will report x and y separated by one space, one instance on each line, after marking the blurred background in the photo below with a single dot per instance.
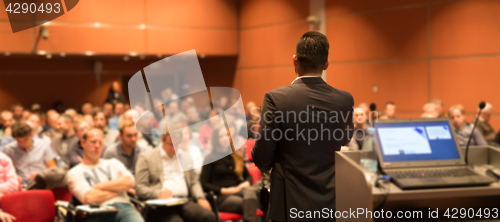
409 52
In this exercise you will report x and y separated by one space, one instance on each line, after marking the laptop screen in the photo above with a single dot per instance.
416 141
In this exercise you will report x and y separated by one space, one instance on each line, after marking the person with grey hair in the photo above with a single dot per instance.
430 111
484 127
60 145
463 130
439 108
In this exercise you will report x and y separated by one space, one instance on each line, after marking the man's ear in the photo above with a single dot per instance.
326 65
295 62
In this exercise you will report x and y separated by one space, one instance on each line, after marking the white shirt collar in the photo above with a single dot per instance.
300 77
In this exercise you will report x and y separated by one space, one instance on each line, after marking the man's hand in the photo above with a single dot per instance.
230 190
131 191
5 217
205 204
166 194
244 184
32 176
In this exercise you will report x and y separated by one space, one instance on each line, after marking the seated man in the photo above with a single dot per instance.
61 144
8 177
7 120
110 135
75 152
360 129
484 127
462 130
126 150
101 181
29 154
159 176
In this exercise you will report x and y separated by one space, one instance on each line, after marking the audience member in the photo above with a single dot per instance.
194 119
60 145
463 130
484 127
430 111
143 140
126 150
107 108
73 114
248 109
25 115
34 122
119 110
87 108
206 131
439 107
51 129
8 178
187 148
168 95
115 94
17 110
159 176
29 154
101 181
390 110
89 119
360 127
7 120
110 135
75 152
229 178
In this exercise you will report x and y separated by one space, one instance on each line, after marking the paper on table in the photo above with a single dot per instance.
101 209
168 202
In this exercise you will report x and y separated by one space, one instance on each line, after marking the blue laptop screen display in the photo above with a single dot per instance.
416 141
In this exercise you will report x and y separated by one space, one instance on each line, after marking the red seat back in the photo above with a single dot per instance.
30 206
255 172
249 144
62 193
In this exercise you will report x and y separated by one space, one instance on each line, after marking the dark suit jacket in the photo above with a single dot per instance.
314 121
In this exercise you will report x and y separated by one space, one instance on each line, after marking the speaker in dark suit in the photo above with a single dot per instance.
301 127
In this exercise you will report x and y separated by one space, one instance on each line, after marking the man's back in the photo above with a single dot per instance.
301 128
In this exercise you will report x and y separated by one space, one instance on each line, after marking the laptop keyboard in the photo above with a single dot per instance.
457 172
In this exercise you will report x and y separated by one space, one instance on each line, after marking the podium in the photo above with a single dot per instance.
354 192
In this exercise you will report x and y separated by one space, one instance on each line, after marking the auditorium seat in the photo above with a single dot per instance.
224 216
61 193
249 144
30 206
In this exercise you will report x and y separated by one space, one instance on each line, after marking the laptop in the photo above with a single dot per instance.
423 153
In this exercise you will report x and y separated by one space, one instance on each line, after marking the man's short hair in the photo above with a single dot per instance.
124 124
312 52
15 106
389 103
20 129
66 117
77 123
437 102
429 106
86 134
456 107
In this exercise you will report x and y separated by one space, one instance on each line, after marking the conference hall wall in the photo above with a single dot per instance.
410 51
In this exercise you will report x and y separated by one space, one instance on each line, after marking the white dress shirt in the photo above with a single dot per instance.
173 177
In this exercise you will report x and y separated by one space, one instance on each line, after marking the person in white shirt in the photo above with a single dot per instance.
159 176
101 181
